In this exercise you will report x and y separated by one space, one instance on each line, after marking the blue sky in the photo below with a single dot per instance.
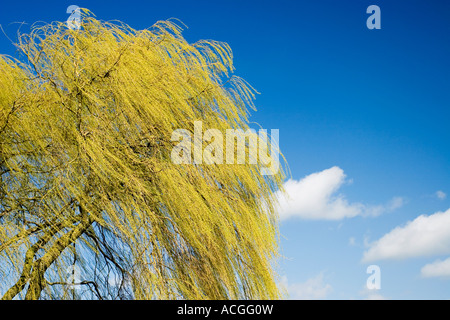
363 118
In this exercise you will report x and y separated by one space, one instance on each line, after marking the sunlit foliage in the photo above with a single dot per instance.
86 179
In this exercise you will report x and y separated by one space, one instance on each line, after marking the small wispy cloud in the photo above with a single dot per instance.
314 288
395 203
352 241
441 195
372 294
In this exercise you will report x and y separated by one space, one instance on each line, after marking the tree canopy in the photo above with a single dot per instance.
86 177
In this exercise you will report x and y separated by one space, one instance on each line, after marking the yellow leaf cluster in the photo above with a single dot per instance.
86 176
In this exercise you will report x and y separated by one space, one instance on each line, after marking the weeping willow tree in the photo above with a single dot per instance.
91 205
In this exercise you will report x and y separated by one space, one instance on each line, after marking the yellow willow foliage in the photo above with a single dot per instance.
91 205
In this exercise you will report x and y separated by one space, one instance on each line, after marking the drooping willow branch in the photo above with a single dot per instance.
86 177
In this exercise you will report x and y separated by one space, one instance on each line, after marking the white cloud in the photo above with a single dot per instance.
441 195
424 236
395 203
437 268
352 241
311 197
312 289
375 296
314 197
372 294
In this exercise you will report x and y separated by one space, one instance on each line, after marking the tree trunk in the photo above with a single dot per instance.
37 281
